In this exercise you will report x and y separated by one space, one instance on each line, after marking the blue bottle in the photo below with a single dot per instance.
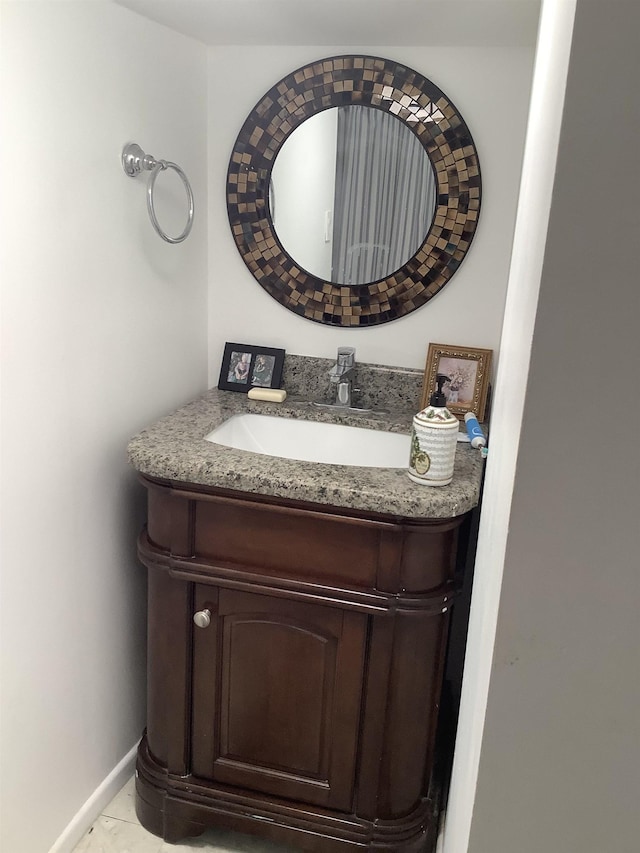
476 436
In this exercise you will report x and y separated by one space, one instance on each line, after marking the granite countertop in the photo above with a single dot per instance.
175 449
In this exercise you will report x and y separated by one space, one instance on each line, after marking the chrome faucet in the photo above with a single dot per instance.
341 375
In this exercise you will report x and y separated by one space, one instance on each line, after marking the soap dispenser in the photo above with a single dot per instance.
434 435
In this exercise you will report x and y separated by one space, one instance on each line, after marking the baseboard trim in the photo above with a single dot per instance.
96 803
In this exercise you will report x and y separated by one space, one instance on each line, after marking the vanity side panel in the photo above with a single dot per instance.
159 515
414 687
168 669
170 520
374 714
429 555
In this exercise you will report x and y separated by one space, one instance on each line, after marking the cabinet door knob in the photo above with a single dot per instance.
202 618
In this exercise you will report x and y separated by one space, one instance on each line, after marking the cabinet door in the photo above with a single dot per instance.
276 696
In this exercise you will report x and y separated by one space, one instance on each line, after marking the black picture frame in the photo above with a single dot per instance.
246 366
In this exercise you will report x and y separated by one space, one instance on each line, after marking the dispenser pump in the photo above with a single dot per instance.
437 398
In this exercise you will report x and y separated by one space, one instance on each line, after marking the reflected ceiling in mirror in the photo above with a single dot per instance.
355 195
418 106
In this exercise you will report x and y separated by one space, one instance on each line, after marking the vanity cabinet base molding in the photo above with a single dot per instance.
301 704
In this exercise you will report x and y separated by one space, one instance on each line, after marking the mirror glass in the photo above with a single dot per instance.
352 195
328 263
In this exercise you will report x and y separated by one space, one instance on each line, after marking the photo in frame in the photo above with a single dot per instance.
468 371
245 366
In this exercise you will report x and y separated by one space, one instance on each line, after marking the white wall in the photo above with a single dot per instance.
303 181
490 87
103 330
560 762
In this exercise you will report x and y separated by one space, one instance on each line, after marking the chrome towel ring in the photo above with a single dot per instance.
134 160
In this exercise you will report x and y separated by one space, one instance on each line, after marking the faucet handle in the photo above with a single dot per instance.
346 356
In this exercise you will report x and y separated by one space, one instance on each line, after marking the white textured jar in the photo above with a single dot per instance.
434 437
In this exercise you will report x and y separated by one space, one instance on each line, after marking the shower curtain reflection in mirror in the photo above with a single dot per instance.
384 196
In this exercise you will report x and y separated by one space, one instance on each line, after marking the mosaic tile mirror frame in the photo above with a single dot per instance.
383 85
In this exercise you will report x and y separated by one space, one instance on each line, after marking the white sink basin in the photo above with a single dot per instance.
313 442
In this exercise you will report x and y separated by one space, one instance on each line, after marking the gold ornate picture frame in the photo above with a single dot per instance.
468 372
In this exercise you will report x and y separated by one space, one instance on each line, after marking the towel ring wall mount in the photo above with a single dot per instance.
134 161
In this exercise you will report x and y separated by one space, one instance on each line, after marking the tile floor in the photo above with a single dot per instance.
118 830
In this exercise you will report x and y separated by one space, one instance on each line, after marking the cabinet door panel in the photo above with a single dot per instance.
277 689
267 661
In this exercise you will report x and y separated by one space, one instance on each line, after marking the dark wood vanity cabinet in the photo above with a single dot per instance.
304 707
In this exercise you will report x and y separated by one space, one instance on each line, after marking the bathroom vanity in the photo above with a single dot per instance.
298 619
299 610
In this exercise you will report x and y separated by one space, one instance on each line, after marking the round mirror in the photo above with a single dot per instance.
355 194
353 275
